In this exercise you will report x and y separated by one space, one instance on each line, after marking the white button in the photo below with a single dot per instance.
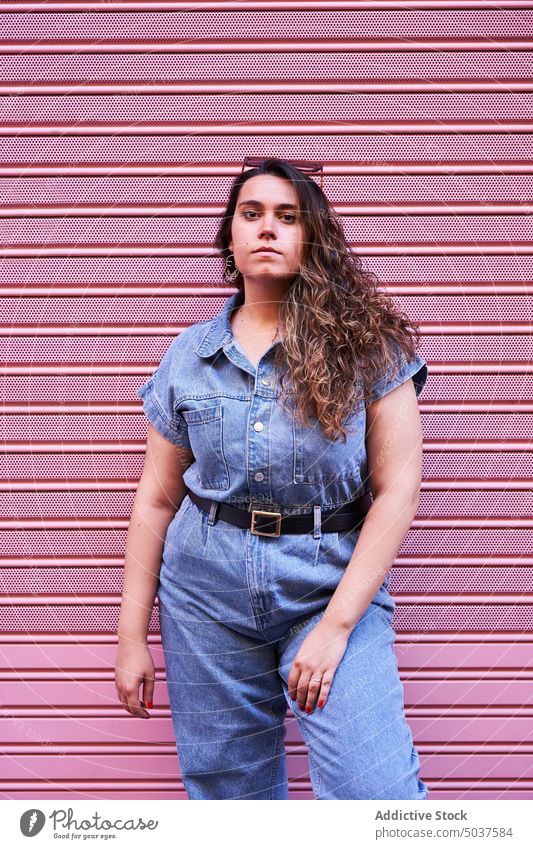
258 425
258 476
266 381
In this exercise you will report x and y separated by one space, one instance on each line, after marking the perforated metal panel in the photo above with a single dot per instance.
115 168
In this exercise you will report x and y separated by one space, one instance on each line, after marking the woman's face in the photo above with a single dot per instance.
267 215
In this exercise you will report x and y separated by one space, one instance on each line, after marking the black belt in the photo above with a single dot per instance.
273 524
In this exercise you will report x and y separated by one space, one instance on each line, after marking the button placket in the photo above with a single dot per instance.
259 439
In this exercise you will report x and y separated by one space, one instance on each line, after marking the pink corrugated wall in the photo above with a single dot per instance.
121 128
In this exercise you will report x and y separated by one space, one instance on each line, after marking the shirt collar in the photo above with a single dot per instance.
219 332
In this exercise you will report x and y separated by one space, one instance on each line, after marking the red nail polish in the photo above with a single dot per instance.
149 705
308 710
320 704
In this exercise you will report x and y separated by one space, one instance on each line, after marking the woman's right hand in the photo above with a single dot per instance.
134 666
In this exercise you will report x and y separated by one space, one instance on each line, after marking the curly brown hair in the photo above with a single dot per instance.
339 331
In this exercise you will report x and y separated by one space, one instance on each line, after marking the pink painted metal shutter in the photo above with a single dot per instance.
120 133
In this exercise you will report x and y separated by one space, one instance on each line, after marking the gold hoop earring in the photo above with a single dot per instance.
231 274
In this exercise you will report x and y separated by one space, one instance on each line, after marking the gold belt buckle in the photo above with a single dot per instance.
275 533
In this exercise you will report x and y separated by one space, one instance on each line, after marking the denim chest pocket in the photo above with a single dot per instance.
206 435
318 460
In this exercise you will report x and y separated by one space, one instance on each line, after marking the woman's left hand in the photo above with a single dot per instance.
318 657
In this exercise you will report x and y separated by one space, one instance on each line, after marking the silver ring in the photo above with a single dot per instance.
315 679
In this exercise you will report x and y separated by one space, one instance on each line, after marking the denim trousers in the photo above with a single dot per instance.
234 609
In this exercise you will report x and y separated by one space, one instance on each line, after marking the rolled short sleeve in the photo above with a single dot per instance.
159 395
417 370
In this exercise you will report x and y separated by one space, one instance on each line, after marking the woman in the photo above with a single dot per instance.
269 427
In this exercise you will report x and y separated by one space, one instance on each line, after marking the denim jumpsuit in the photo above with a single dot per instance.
234 607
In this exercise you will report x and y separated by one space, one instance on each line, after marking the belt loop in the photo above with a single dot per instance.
213 512
317 532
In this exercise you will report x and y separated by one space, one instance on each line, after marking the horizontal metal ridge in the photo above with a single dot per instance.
264 45
94 169
469 328
376 208
44 638
125 484
151 750
136 446
127 408
101 249
259 5
254 88
432 675
105 128
48 789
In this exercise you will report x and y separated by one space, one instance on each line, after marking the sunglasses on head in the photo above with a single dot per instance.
301 165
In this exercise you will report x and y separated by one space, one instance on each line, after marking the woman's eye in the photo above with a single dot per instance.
249 212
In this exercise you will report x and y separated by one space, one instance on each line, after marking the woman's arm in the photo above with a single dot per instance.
160 492
394 451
